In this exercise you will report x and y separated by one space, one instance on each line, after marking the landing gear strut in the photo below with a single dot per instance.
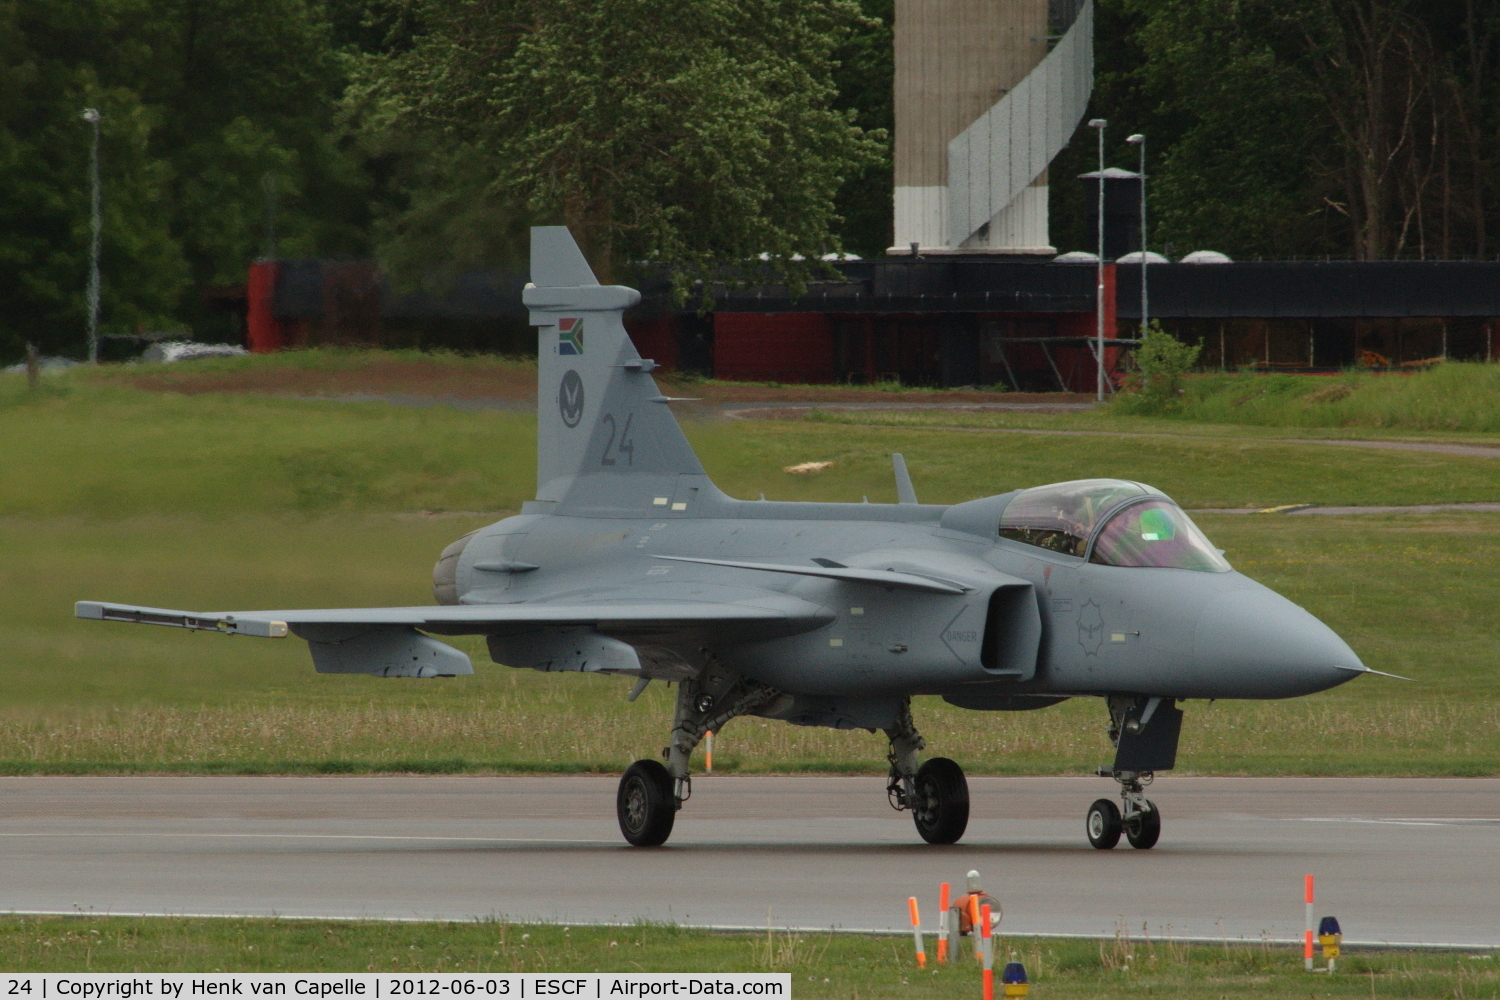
936 793
1139 820
1144 732
651 793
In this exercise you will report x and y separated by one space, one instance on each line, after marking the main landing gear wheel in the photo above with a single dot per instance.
645 804
1104 824
941 810
1144 829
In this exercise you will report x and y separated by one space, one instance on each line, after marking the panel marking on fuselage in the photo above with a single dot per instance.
1090 627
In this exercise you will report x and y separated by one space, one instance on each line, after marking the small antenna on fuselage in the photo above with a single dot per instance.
904 491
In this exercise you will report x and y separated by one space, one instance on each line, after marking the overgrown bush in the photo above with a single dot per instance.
1161 362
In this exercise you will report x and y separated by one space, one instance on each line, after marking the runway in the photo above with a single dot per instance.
1397 860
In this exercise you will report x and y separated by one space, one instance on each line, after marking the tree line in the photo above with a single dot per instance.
1352 129
688 134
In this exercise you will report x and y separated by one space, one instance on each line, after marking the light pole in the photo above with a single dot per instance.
91 115
1099 123
1140 140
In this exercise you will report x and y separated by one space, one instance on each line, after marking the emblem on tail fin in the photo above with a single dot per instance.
570 337
570 398
610 443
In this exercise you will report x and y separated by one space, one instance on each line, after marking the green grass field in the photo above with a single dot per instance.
1114 421
1453 396
820 965
228 500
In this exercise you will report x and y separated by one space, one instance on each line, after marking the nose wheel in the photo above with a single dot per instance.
1140 821
1144 828
1103 824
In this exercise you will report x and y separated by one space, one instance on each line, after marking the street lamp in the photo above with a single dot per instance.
1140 140
91 115
1099 123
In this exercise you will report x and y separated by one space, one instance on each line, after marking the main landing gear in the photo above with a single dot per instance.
936 792
645 804
651 792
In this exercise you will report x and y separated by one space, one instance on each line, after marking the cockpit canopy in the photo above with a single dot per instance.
1112 522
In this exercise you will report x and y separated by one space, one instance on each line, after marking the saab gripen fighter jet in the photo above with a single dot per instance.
631 561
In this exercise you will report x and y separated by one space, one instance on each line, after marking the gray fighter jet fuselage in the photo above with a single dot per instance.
971 616
631 561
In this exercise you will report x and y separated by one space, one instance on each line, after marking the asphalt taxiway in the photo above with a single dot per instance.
1396 860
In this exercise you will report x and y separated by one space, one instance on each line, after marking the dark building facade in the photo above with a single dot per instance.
1312 315
944 320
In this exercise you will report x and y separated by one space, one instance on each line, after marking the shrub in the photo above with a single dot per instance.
1161 362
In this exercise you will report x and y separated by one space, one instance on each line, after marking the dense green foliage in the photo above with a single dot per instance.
1352 128
207 106
691 134
430 133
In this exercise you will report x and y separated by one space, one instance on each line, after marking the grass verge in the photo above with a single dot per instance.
1453 396
820 965
106 452
1108 420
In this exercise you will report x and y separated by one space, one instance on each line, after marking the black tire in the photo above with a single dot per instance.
645 804
1103 824
941 811
1144 829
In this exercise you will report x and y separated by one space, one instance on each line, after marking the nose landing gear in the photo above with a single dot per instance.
1145 733
1139 821
1103 824
1143 829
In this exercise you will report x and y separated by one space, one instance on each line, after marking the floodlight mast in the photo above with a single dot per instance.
1140 140
1099 123
91 115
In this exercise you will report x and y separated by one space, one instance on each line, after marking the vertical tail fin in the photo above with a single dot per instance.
605 437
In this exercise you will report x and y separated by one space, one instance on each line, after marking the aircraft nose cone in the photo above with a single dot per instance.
1258 644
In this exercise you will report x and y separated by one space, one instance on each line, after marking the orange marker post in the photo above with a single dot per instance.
974 926
989 953
942 941
708 754
1307 939
916 932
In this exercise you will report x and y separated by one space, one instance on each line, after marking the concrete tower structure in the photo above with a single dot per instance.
986 94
